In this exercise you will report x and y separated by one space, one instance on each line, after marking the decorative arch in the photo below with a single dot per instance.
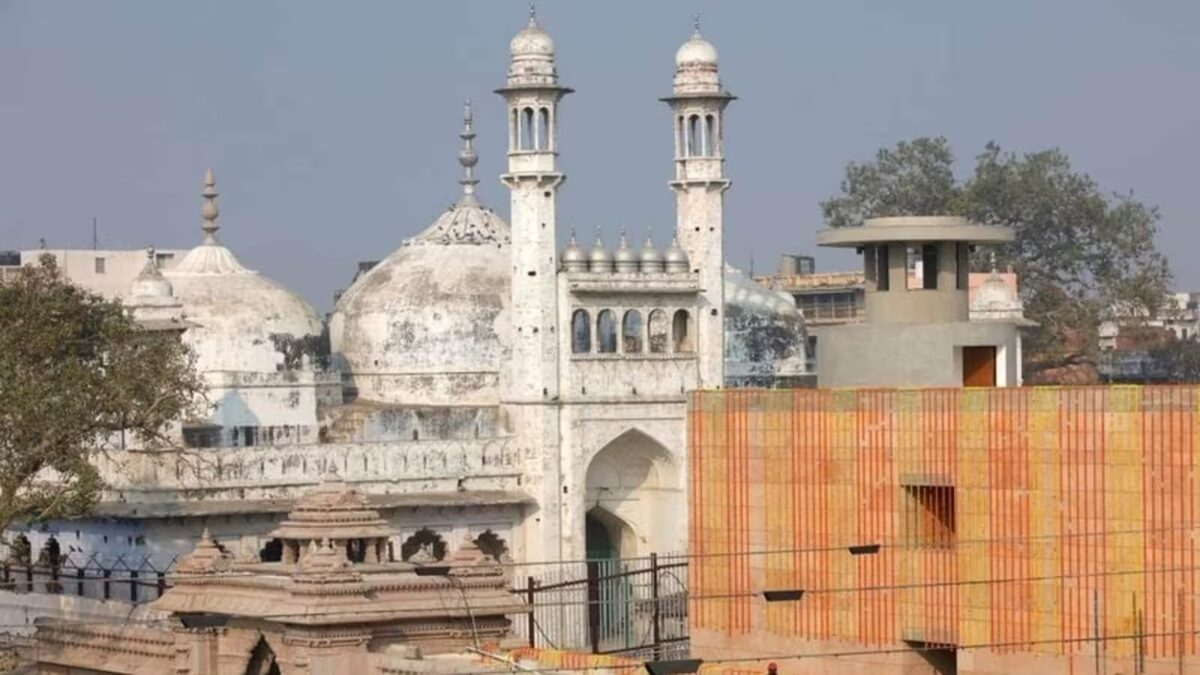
626 482
272 551
491 544
262 659
631 332
659 331
681 332
694 142
526 131
606 332
581 332
423 538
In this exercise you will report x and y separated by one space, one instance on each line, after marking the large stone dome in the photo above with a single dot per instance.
235 315
765 336
427 325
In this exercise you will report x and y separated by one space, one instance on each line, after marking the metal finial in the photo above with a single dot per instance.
467 156
532 14
209 210
696 24
151 259
649 236
992 260
573 235
599 237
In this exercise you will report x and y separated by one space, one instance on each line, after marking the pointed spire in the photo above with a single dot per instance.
467 157
209 211
649 237
599 237
696 24
533 22
992 259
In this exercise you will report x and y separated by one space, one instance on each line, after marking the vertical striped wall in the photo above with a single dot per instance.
1074 513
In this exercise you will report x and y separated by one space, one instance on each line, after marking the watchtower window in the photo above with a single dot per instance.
606 332
695 148
526 131
882 273
962 266
922 266
631 332
581 332
710 135
543 130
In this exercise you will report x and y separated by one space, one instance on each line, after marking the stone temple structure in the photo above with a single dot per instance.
479 380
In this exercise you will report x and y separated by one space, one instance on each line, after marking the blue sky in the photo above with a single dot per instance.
332 126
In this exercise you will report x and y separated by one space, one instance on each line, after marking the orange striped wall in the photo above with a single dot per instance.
1068 505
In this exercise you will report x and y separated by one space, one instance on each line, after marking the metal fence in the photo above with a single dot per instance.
631 606
133 579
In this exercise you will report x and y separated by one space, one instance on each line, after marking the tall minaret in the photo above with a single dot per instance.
529 380
698 106
532 94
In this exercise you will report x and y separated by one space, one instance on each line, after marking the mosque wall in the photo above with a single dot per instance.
278 472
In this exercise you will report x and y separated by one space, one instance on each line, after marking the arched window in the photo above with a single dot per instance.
606 332
681 331
426 539
491 545
658 332
581 332
631 332
710 135
680 138
514 130
694 146
543 129
527 129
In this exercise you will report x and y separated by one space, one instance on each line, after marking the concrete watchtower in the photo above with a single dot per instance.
917 330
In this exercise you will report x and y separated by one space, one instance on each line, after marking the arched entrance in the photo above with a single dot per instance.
262 660
632 498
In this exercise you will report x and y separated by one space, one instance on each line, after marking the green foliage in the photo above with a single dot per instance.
77 374
1078 252
1179 360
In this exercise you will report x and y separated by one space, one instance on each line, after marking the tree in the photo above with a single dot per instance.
1078 252
77 375
1178 360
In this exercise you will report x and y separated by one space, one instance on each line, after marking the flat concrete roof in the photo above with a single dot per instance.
914 228
185 508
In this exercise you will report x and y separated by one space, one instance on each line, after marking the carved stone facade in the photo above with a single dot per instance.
331 605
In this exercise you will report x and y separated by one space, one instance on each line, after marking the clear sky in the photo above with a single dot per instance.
332 126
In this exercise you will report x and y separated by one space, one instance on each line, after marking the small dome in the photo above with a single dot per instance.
531 41
650 259
996 300
237 315
625 260
599 259
675 259
765 337
696 51
573 257
150 283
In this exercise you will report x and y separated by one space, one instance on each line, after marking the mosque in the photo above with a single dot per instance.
477 383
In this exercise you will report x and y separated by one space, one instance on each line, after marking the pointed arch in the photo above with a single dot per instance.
606 332
581 332
631 332
659 331
422 538
262 659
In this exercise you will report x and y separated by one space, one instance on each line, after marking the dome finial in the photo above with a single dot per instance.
209 211
467 157
151 259
992 260
533 23
696 24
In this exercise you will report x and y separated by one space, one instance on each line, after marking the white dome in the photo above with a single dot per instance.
428 324
531 41
765 335
995 300
696 51
235 314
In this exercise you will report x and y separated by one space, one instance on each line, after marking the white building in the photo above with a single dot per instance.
478 378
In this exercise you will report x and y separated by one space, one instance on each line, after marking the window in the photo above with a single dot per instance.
922 267
694 147
631 332
658 332
710 135
680 138
581 332
543 130
426 539
681 331
606 332
491 545
962 266
99 265
928 518
883 280
526 130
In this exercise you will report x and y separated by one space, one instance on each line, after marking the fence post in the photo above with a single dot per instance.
133 586
593 596
532 621
162 583
107 584
655 612
79 574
